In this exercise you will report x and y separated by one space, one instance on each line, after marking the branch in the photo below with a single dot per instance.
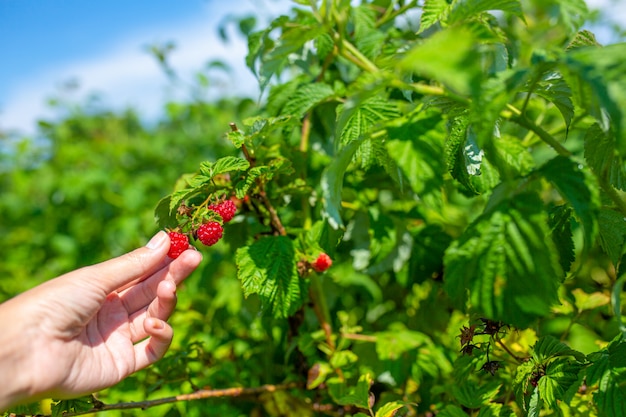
543 135
274 219
197 395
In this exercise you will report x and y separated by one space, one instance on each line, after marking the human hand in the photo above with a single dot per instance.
90 328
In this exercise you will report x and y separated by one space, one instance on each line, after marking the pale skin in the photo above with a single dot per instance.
90 328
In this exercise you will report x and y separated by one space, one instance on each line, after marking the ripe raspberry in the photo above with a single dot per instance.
210 233
225 209
322 263
178 244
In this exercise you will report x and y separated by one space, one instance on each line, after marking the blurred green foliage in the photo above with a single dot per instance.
463 168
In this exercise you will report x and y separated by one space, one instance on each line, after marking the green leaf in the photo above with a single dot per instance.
268 268
549 347
465 9
560 378
432 12
306 97
392 344
573 13
222 166
503 265
612 233
164 216
268 57
608 370
358 395
332 183
417 145
495 410
556 90
561 226
458 68
74 405
367 115
583 39
603 158
471 395
585 301
601 71
465 160
576 187
452 411
389 409
368 37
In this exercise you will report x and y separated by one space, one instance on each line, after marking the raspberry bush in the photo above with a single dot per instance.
456 171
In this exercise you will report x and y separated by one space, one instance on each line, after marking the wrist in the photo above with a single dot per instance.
15 339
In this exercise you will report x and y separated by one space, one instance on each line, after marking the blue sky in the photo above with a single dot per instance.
101 45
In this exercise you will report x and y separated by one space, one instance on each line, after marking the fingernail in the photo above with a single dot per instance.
157 324
157 240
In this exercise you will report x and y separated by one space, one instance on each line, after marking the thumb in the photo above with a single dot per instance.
135 266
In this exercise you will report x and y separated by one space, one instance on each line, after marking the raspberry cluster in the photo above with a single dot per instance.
209 232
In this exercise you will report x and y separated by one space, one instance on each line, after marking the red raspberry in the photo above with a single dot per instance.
225 209
322 263
210 233
178 244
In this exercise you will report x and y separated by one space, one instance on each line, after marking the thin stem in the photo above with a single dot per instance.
321 310
542 134
197 395
359 337
390 16
513 355
275 222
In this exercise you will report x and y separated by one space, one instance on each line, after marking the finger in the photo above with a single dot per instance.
161 308
143 293
154 347
134 266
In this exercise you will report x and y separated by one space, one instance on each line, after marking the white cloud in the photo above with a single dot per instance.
126 75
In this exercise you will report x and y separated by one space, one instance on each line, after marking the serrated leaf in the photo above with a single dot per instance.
465 160
612 233
222 166
556 90
305 97
358 395
237 138
608 370
432 12
504 265
601 71
576 187
417 145
561 376
368 38
268 57
602 157
561 227
164 216
495 410
583 39
268 268
471 395
368 114
549 347
389 409
465 9
452 411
